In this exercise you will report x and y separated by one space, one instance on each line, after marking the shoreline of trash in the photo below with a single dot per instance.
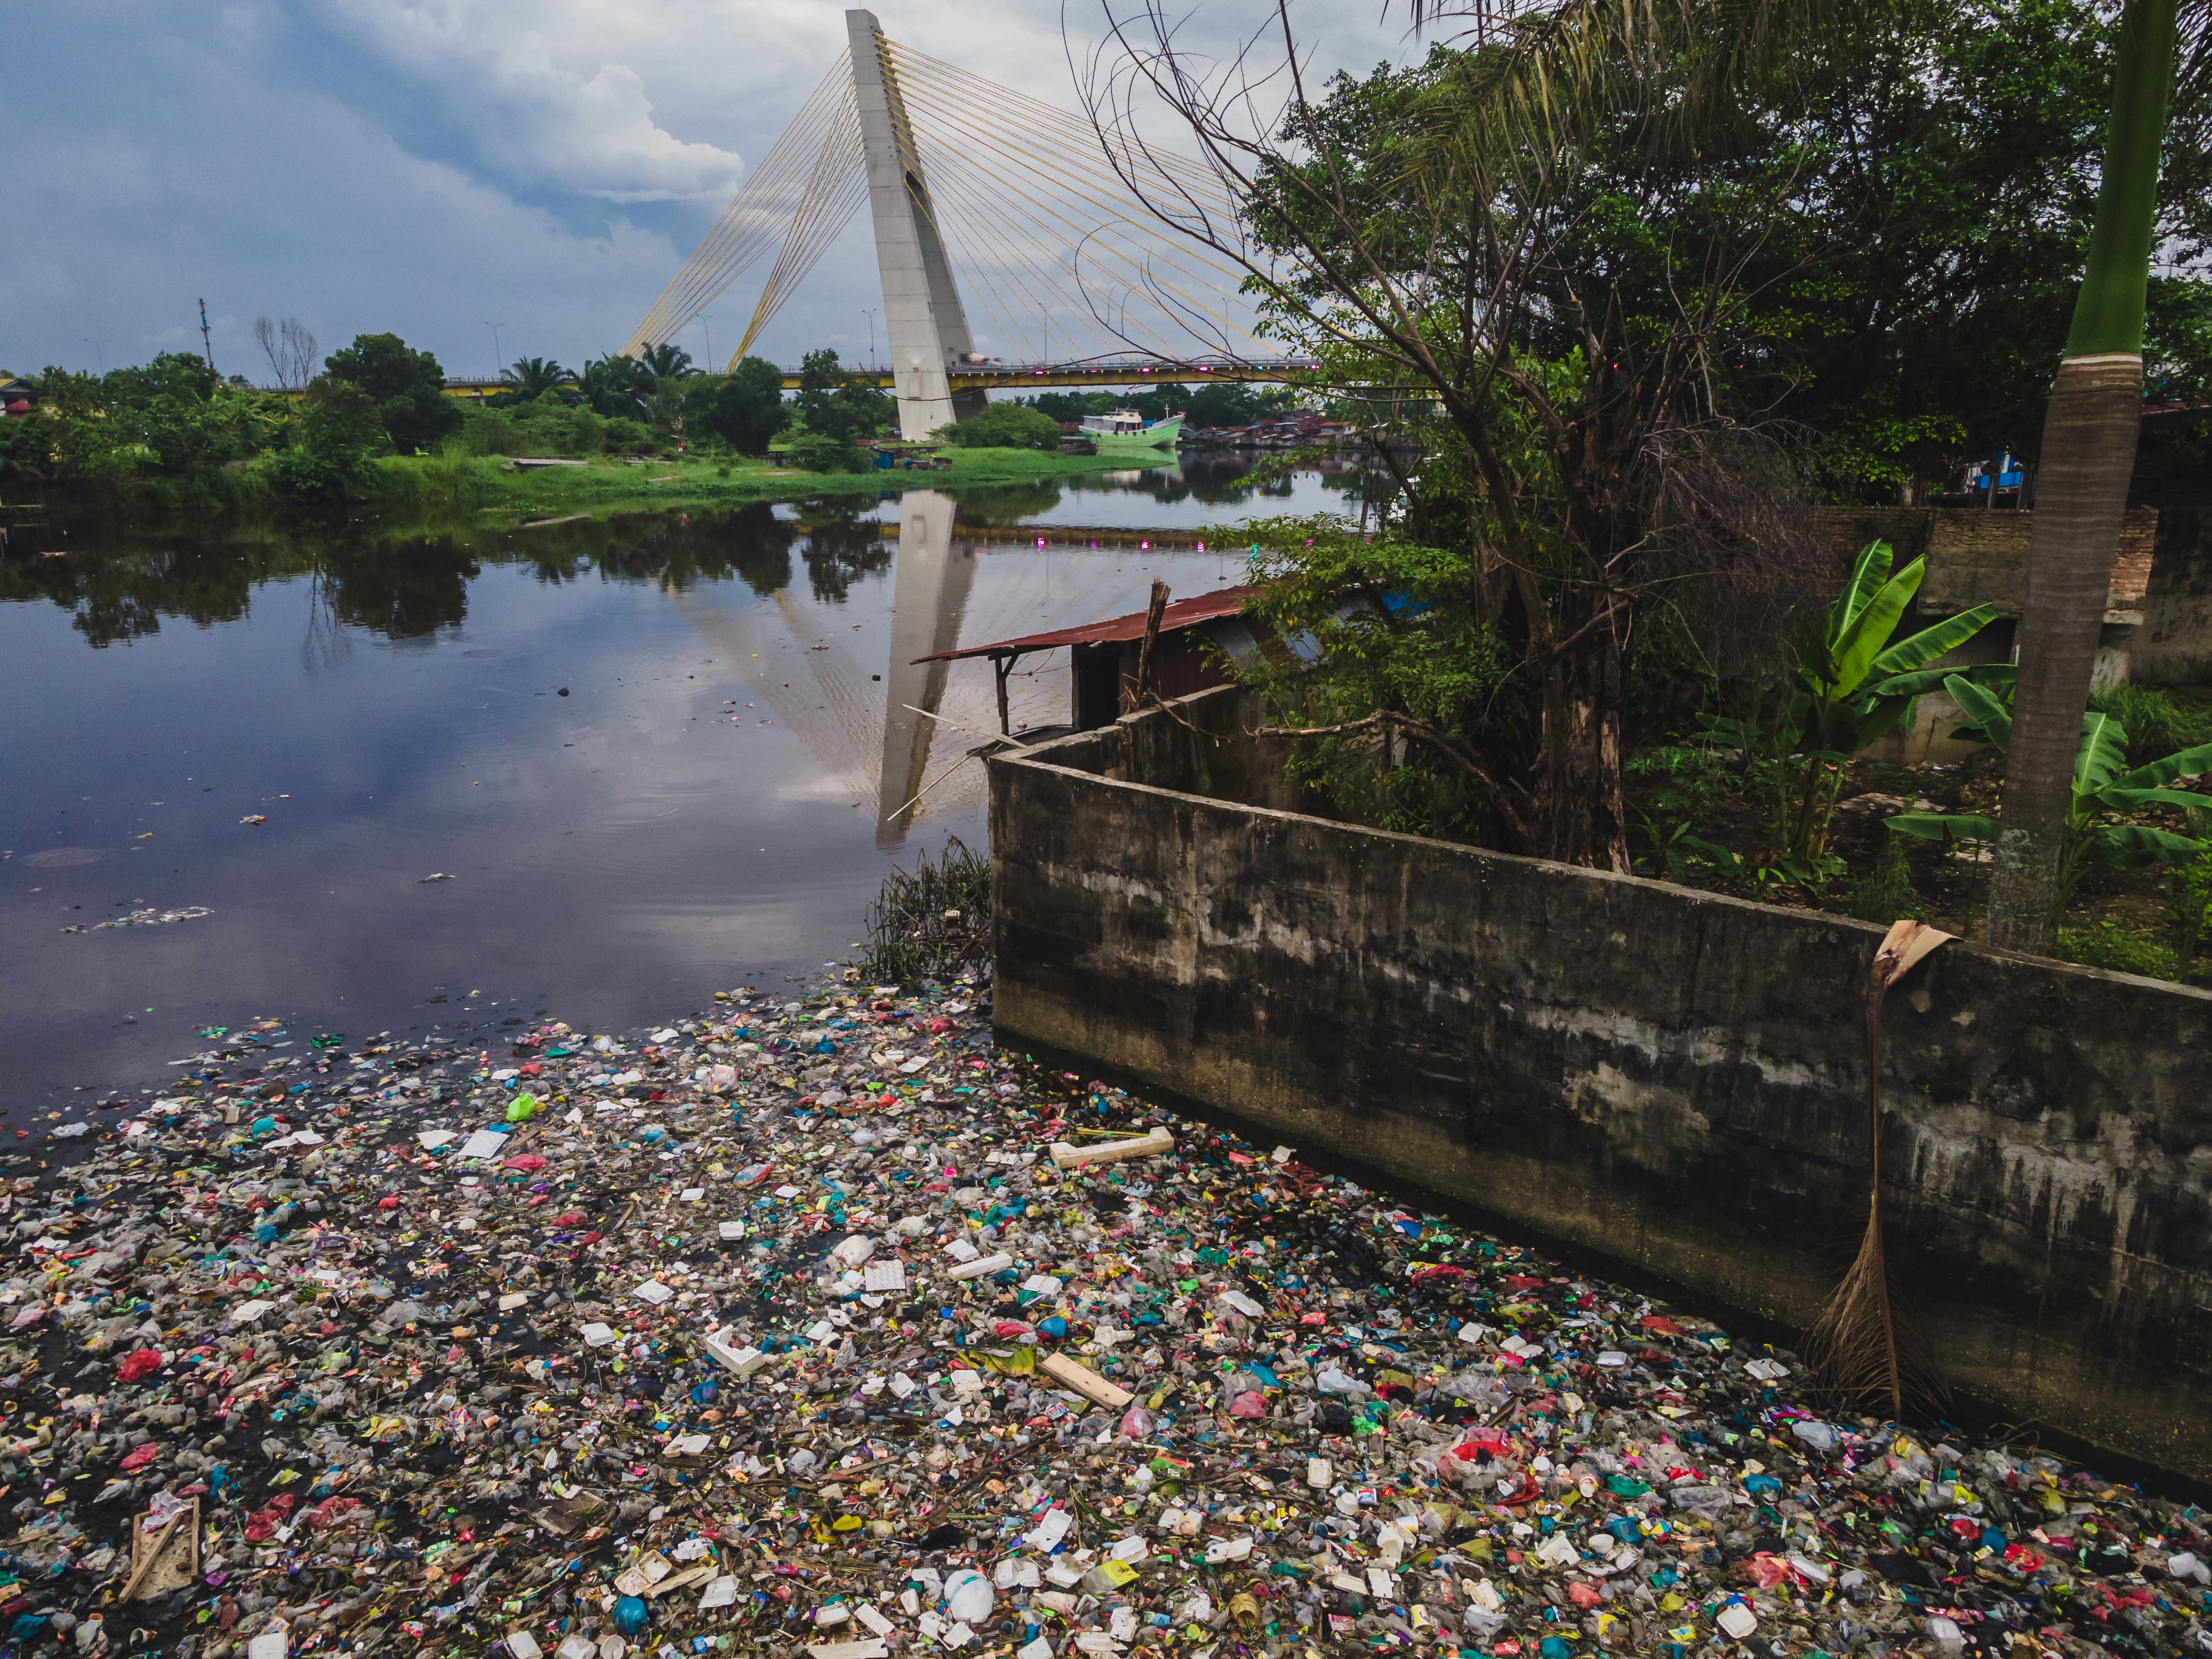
814 1322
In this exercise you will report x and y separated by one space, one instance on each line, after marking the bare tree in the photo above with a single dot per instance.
290 348
1434 250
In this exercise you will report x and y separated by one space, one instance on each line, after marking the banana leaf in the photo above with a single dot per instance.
1851 657
1988 712
2103 752
1870 572
1921 682
1930 644
2183 763
2131 845
2134 801
1875 719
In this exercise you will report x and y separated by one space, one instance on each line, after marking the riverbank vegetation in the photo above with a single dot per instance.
1782 777
1673 278
375 426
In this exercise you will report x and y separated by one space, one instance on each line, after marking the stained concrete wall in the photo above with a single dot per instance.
2173 646
1666 1078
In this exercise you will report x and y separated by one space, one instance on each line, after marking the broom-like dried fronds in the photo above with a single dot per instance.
1865 1346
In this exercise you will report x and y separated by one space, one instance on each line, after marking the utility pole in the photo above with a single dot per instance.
207 350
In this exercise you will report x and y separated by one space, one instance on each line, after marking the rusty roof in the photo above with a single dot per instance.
1180 614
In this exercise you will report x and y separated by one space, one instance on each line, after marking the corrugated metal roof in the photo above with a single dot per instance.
1180 614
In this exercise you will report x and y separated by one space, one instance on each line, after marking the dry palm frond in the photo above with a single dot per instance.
1865 1345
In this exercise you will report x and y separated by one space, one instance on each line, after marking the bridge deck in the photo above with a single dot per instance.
996 376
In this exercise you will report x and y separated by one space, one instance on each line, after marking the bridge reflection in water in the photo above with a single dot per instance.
901 745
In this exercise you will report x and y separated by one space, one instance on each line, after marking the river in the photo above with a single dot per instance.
653 757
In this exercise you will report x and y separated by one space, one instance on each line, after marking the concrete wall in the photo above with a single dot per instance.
2174 646
1976 556
1666 1079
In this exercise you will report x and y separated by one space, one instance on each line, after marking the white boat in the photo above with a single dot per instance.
1125 429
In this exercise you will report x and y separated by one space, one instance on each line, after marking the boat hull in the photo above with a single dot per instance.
1161 434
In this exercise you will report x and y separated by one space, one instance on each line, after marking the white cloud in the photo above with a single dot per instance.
336 223
427 166
540 95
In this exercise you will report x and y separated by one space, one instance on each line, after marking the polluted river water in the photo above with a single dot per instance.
649 755
807 1321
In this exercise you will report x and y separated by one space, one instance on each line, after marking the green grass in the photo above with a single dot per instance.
2109 946
1883 892
692 481
2159 722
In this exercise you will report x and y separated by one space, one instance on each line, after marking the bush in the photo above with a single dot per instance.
340 426
628 437
26 450
549 425
394 480
305 475
1003 425
455 474
2109 946
845 406
813 452
486 432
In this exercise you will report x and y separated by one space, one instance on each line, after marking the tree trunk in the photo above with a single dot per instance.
2089 437
2089 454
1580 816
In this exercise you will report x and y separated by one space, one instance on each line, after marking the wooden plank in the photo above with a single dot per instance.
1151 1144
1081 1379
165 1561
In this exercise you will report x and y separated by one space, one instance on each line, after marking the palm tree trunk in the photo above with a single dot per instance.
2089 437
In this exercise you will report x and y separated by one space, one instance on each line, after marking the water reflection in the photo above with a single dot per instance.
934 577
292 725
409 579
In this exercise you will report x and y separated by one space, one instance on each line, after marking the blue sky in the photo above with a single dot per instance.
430 166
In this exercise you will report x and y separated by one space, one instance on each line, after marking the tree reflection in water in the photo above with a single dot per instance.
407 578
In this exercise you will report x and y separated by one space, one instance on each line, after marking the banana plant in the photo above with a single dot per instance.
2100 789
1683 849
1851 687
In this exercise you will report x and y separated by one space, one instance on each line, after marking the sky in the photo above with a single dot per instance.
433 168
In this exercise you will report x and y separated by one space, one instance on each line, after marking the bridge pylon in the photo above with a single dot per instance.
923 317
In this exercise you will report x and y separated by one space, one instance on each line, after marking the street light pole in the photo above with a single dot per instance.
99 348
496 366
870 316
708 322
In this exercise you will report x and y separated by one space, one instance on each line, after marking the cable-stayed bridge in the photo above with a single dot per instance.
981 194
